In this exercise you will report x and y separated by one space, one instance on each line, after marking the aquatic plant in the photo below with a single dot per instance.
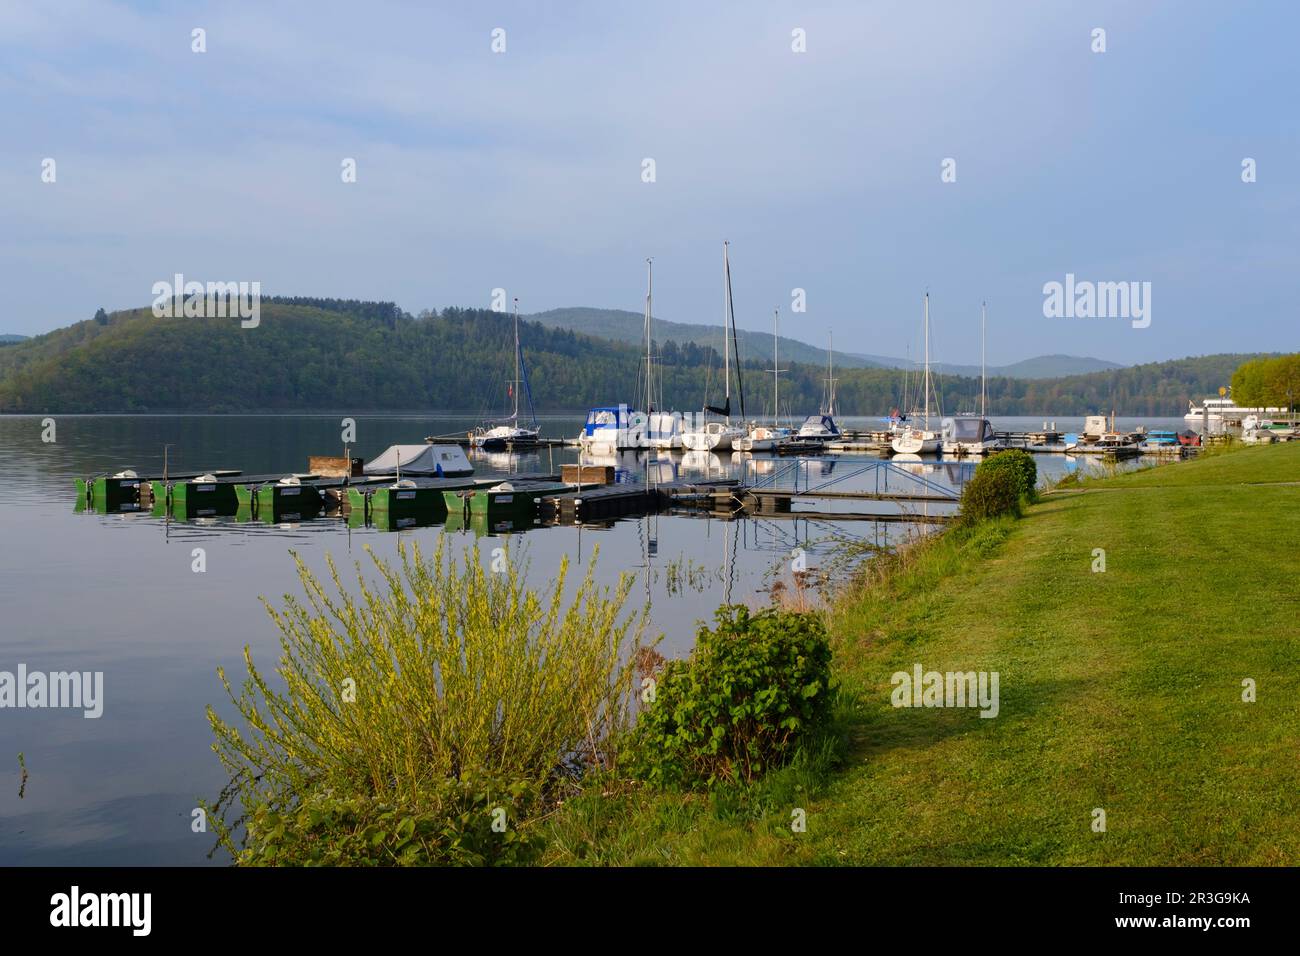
425 714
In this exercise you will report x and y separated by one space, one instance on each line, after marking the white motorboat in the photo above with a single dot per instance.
611 428
762 438
968 435
920 440
964 435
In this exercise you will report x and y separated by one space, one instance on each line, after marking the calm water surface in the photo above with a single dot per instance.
116 593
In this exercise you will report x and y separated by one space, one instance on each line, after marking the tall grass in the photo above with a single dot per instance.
435 670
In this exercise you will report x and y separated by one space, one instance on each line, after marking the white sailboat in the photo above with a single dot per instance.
663 428
510 434
822 426
920 441
720 436
767 437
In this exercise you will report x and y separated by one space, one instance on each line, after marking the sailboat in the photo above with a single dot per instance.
767 437
663 429
719 436
509 433
920 441
822 427
968 434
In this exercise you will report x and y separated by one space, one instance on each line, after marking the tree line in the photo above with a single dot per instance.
318 353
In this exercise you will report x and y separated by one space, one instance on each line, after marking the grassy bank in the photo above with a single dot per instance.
1119 690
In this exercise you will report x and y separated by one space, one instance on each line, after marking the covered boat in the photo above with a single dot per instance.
968 435
443 461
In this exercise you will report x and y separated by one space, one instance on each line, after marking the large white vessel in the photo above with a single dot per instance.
920 441
1223 408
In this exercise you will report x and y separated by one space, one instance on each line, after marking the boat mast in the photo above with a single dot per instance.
726 311
983 372
830 374
515 387
776 370
649 304
927 362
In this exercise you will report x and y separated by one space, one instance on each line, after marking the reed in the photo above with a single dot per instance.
432 671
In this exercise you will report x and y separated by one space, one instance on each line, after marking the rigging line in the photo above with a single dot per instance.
735 341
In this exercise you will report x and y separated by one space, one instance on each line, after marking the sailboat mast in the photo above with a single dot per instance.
983 370
649 305
776 372
515 388
726 311
927 361
830 374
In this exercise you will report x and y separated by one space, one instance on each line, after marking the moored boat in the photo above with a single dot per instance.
716 436
920 440
508 433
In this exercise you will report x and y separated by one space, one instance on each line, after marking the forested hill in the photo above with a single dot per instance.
320 354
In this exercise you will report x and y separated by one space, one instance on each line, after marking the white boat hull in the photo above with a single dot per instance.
711 438
915 443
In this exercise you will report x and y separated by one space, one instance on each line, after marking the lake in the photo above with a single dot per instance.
117 593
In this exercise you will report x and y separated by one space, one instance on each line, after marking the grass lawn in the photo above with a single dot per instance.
1119 690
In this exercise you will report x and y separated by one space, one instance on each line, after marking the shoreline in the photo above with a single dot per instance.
1120 692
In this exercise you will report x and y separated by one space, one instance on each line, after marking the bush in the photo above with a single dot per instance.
326 829
1019 463
991 493
751 690
414 706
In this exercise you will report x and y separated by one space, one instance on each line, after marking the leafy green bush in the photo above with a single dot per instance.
1019 463
990 493
754 686
413 707
475 824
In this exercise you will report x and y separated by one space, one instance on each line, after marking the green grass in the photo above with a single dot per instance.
1120 690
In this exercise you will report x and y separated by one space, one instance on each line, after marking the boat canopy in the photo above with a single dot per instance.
820 421
968 430
606 417
441 460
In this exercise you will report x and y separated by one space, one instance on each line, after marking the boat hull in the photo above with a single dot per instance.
915 443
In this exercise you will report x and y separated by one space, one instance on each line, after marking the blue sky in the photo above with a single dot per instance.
522 170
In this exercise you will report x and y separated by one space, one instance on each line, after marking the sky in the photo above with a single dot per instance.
525 169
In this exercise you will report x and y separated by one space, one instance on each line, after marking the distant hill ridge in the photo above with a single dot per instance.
620 325
313 354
